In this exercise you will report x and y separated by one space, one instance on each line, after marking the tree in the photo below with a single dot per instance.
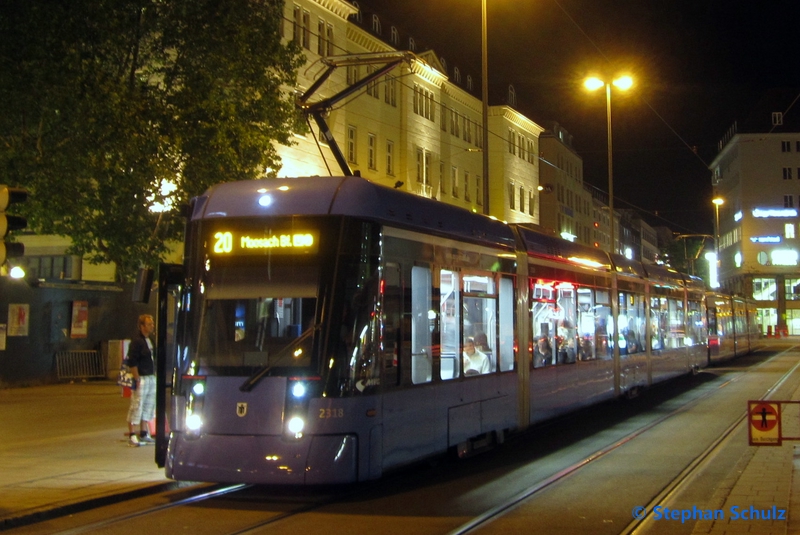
112 107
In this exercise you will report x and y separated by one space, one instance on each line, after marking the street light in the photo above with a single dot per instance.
718 201
485 98
623 83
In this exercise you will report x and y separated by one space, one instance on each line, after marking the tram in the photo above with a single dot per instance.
329 329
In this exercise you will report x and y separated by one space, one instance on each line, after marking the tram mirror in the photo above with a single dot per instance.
142 286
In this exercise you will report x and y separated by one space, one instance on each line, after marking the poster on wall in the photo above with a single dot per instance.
18 320
80 319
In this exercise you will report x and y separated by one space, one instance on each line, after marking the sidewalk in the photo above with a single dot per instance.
64 445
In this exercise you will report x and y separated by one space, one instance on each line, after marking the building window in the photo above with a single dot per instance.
372 87
352 74
322 45
412 46
49 267
788 201
512 139
531 200
787 173
466 186
330 40
420 163
788 231
786 146
371 147
376 25
390 90
423 103
511 191
351 144
522 199
427 177
389 157
395 36
764 289
792 289
454 181
441 177
479 190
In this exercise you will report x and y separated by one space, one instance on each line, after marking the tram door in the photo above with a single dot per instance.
410 426
170 282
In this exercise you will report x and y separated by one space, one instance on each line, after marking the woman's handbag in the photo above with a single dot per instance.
125 377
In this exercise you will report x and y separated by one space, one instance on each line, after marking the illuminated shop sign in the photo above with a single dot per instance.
226 242
765 239
774 212
738 216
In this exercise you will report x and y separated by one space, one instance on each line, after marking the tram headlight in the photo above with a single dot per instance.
295 426
299 390
193 422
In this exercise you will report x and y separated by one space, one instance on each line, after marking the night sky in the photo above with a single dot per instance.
699 65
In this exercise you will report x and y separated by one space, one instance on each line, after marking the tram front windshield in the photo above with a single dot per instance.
257 315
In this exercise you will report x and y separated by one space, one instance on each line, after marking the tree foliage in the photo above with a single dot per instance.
106 102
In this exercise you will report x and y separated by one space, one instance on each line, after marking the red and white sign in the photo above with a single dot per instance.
764 419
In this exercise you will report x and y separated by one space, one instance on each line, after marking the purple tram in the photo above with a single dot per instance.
327 330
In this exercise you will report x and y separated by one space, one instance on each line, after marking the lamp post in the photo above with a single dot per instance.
718 201
623 83
485 98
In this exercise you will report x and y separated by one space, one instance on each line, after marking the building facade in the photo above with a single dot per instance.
757 176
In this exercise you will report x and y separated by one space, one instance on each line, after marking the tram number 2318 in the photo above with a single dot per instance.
331 413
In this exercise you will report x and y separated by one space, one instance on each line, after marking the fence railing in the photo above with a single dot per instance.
80 365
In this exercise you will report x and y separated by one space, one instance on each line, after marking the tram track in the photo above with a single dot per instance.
667 494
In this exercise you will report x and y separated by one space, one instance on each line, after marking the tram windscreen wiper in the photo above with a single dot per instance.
287 350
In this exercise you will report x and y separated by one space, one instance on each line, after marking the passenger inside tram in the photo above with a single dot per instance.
542 353
475 361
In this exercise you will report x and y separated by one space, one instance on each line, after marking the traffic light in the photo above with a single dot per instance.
8 223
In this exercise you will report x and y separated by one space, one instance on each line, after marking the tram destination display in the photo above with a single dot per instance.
238 242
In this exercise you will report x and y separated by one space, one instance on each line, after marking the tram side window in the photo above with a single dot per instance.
480 321
450 308
391 325
695 324
602 324
585 324
506 349
566 314
677 322
631 323
543 311
668 323
421 328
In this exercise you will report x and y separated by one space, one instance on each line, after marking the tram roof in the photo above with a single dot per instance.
348 196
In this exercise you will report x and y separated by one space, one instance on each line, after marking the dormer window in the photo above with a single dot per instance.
395 36
412 46
512 96
376 25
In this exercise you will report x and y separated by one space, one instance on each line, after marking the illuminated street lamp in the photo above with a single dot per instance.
622 83
485 98
718 201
